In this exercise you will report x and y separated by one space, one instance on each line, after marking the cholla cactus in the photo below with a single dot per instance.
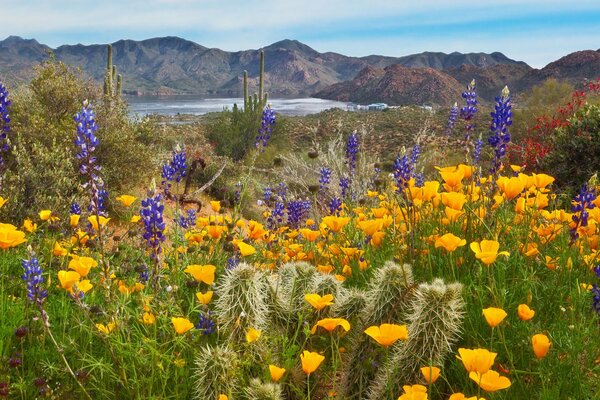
435 317
350 304
216 372
242 300
258 390
387 294
387 300
294 281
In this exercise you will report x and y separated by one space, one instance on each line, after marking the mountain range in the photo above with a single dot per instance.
171 65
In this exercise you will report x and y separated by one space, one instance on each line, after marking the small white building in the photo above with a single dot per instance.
377 107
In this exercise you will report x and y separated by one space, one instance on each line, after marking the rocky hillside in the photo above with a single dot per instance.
172 65
397 85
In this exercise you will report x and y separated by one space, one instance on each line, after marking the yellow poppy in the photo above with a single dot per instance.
181 325
335 223
525 313
204 298
67 279
319 302
74 220
310 361
10 236
487 251
245 249
106 329
330 324
510 187
490 381
202 273
431 374
541 344
309 234
46 215
98 221
450 242
2 201
215 205
477 360
494 316
126 199
414 392
58 250
252 335
29 225
84 286
148 318
135 219
387 334
276 372
82 265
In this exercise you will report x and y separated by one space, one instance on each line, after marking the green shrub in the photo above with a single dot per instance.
42 168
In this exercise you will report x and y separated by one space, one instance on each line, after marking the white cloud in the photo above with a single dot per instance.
333 25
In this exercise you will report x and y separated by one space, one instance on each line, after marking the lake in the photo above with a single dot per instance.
196 105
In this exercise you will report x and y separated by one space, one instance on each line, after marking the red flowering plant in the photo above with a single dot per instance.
538 142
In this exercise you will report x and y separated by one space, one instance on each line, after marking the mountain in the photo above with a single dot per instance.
397 85
574 68
171 65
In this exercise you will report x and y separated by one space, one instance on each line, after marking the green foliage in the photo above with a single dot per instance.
543 99
576 154
43 171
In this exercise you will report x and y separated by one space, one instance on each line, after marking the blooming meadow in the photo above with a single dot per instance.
476 281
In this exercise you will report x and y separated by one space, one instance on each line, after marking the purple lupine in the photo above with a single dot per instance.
176 169
344 185
232 262
477 150
470 109
86 142
581 203
324 178
501 120
276 217
335 206
205 324
75 209
4 124
267 195
403 171
297 211
352 152
188 220
154 226
33 277
282 190
267 121
452 119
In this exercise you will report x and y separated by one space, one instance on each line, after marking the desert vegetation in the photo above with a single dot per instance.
405 254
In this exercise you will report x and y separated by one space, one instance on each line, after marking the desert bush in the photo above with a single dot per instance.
42 170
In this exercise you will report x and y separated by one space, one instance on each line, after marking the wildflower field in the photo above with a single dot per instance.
351 278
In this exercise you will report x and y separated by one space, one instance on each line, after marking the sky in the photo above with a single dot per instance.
536 32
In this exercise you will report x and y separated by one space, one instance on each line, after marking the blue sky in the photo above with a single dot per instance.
536 32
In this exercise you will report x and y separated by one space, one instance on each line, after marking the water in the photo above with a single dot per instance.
196 105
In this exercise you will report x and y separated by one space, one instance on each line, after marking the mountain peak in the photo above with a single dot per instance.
290 44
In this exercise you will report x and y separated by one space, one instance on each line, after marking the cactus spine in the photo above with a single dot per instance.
258 390
435 317
216 372
242 300
387 298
